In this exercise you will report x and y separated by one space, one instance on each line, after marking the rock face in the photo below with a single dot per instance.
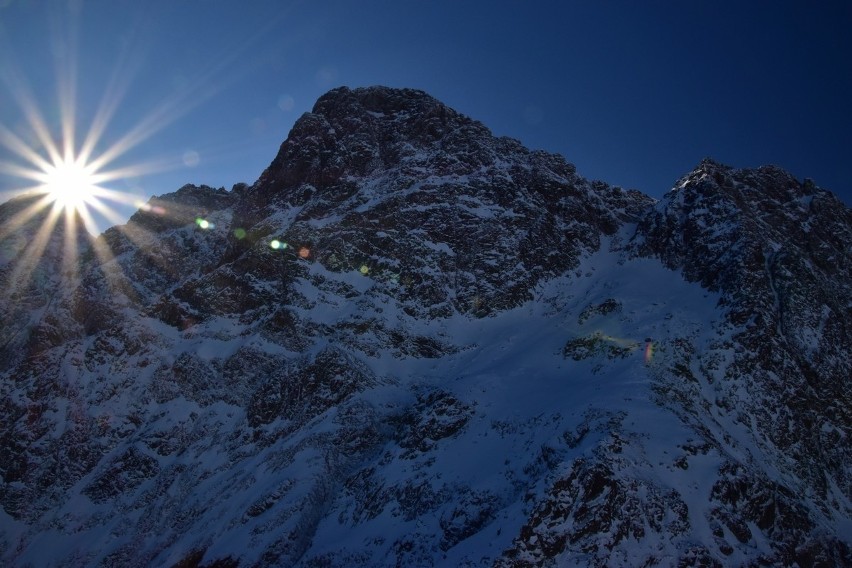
411 343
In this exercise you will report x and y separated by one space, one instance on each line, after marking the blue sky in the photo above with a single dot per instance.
633 93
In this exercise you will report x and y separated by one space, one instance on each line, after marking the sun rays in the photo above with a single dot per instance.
68 153
71 168
65 178
74 176
65 185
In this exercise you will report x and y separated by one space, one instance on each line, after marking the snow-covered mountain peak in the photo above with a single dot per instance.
766 186
354 133
411 343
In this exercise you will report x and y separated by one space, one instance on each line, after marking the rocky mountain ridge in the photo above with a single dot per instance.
411 343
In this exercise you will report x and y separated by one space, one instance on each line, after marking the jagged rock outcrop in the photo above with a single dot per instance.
778 251
396 183
411 343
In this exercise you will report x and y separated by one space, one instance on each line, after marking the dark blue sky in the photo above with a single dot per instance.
633 93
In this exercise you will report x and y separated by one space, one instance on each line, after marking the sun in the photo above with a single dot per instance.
71 184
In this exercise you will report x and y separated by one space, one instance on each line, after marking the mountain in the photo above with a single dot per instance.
412 343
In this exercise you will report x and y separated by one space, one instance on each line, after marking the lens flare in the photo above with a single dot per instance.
204 223
649 352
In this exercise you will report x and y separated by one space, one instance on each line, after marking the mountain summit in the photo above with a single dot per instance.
412 343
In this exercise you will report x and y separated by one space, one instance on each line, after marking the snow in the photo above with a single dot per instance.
515 370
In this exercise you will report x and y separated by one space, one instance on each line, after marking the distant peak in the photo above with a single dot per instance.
354 132
711 164
386 100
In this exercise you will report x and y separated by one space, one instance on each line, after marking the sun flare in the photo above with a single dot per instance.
74 181
71 184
